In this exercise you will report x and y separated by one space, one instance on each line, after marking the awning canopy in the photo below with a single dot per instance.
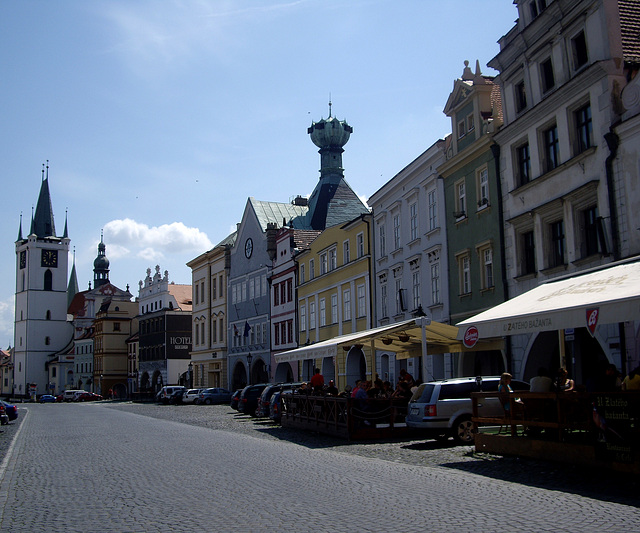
605 296
402 338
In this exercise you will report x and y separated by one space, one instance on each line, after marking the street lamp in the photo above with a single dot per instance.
249 359
190 376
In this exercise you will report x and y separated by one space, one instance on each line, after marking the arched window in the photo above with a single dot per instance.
48 280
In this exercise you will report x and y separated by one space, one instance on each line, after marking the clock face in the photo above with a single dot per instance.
248 248
23 259
49 258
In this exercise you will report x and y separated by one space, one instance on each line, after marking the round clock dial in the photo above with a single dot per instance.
248 248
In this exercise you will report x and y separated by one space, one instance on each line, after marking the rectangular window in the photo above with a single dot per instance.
116 326
334 308
464 272
487 272
583 128
360 244
289 331
520 96
213 288
196 295
433 211
546 75
323 263
303 318
483 188
243 297
400 304
221 330
345 253
382 236
462 200
214 332
470 123
557 243
579 51
323 312
312 269
435 283
290 290
265 286
283 293
384 300
276 295
312 315
276 334
362 307
283 332
221 285
252 287
413 221
415 279
551 148
202 292
396 232
461 129
590 231
302 280
346 304
523 158
333 259
528 253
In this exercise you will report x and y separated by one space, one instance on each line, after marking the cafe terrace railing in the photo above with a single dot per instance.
347 418
602 427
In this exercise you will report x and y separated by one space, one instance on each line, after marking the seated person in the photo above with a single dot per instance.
505 389
542 382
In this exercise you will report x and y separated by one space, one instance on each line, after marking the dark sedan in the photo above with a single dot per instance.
11 410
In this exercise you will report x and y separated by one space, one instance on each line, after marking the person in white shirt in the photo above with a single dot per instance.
542 382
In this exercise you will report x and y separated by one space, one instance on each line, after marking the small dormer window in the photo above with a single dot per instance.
461 129
470 123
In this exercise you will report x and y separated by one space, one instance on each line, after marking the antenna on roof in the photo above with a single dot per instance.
47 170
329 105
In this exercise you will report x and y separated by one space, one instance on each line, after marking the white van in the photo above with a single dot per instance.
166 392
70 395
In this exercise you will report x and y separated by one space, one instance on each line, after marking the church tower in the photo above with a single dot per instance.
40 328
333 201
101 266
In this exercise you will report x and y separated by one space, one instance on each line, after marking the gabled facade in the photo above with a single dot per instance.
164 331
567 204
283 245
6 372
334 298
41 329
115 322
209 275
410 247
473 210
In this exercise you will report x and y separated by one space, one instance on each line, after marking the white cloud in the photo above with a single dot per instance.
128 237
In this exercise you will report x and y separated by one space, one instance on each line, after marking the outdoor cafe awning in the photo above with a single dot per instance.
605 296
402 338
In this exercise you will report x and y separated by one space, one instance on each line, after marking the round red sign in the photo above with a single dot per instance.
470 337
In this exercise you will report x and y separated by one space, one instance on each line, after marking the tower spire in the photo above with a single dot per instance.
20 228
43 225
65 235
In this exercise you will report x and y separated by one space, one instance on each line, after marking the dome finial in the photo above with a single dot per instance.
329 105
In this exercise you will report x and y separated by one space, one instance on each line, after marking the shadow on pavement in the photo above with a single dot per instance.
593 483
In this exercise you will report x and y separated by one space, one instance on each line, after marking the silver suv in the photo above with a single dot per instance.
443 409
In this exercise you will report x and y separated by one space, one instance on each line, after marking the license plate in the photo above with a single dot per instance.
415 410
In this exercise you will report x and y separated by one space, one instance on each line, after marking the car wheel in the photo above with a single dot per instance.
207 401
463 430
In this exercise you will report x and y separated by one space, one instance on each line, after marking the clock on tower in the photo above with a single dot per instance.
49 258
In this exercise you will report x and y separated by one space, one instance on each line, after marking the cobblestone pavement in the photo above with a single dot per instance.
137 468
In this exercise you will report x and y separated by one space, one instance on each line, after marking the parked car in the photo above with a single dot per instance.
177 396
191 395
86 396
47 398
443 409
70 395
235 397
249 397
165 393
262 410
214 395
275 405
4 419
11 410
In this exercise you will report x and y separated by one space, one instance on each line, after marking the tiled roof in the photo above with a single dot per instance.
182 294
630 29
304 238
333 202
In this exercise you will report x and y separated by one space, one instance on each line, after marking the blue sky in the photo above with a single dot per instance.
161 117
